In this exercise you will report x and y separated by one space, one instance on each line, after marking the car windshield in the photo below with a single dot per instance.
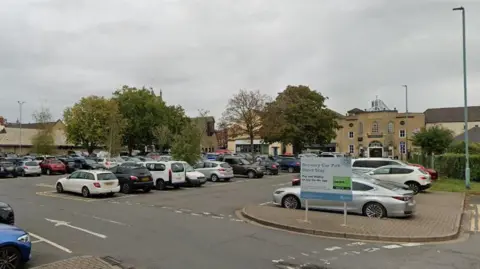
244 161
6 164
90 161
106 176
31 164
188 167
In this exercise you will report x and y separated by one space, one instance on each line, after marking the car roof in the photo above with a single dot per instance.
397 166
95 172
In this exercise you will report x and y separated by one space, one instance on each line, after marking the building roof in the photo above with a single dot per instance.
451 114
31 125
473 135
12 137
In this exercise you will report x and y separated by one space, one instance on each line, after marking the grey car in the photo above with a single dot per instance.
371 197
30 168
215 170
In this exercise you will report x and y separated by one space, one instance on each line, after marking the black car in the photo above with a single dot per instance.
131 178
6 214
243 167
87 164
70 165
7 169
271 167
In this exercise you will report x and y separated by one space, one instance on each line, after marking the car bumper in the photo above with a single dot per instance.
142 185
104 190
26 251
402 209
277 199
58 170
32 171
224 175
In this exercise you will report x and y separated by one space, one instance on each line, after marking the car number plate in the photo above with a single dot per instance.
145 179
109 183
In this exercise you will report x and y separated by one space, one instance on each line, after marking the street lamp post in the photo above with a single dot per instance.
465 109
20 103
406 121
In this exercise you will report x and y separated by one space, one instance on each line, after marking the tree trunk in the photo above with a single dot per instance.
297 148
251 146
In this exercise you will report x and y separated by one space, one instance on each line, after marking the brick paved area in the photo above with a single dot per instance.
438 218
83 262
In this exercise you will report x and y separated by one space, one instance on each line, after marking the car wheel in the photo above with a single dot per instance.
291 202
14 175
214 178
59 188
374 210
226 179
269 172
176 187
22 173
49 172
160 184
414 186
251 174
126 188
291 170
85 192
147 190
10 257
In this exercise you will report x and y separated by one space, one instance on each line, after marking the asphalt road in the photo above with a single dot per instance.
198 228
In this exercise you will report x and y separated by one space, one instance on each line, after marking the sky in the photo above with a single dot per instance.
201 52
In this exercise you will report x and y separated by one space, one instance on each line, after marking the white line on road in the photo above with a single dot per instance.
66 224
53 244
333 248
109 220
36 241
46 185
411 244
266 203
391 246
281 184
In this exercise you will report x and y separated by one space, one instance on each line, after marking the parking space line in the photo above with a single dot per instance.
266 203
45 185
54 195
53 244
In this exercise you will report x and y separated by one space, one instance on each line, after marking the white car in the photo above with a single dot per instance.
89 182
165 174
414 177
107 162
194 178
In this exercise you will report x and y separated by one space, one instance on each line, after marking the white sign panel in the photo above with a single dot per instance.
326 178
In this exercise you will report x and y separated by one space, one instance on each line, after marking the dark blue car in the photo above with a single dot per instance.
15 247
291 164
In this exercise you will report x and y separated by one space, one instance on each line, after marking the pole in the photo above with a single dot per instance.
465 108
406 122
20 103
344 213
306 210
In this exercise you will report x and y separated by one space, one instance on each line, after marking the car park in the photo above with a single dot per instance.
89 182
7 216
271 167
166 174
132 178
107 162
214 170
15 247
243 167
414 177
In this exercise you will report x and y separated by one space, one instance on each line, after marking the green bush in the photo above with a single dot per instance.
452 165
459 147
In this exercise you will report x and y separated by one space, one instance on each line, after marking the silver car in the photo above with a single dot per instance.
368 164
214 170
371 197
30 168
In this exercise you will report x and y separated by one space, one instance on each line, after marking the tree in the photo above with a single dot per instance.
186 145
92 122
115 129
459 147
299 116
43 142
434 140
243 114
165 132
164 137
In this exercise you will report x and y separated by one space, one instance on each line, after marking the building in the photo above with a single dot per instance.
209 142
452 118
378 131
473 135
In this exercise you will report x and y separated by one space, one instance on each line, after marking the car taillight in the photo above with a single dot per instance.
274 166
25 167
423 177
401 198
107 163
170 174
298 163
96 184
133 178
221 169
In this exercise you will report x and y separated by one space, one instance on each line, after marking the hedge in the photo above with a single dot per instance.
452 165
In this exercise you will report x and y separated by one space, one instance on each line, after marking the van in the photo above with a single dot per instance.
368 164
166 174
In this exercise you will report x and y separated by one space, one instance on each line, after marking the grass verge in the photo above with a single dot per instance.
454 185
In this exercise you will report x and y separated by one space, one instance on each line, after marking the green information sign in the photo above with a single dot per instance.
342 183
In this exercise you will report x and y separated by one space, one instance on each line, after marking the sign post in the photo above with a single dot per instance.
326 179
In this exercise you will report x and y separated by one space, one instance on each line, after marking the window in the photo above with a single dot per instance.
75 175
200 165
360 128
351 148
106 176
402 148
350 134
156 166
390 127
402 133
177 167
375 127
401 171
359 164
382 171
356 186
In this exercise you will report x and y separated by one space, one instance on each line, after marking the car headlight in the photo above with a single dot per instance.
279 192
24 238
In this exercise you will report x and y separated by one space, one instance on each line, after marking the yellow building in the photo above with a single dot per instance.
378 131
242 145
452 118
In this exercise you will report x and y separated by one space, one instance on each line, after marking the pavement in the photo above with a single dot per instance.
198 228
438 218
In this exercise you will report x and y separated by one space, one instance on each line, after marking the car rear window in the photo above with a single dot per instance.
106 176
225 165
140 171
31 164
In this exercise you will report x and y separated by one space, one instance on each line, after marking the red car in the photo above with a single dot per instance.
296 181
51 166
432 172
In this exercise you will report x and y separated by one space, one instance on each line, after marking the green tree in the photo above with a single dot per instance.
93 122
299 116
186 145
434 140
459 147
43 142
143 111
243 114
163 136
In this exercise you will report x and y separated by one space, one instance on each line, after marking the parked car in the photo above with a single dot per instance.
214 170
193 178
331 155
29 168
7 169
243 167
211 156
368 164
88 164
166 174
70 165
271 167
291 164
7 216
296 181
433 173
89 182
15 247
40 159
107 162
132 178
51 166
372 198
414 177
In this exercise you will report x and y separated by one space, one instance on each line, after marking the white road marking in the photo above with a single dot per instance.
281 184
53 244
217 217
178 211
195 214
266 203
277 261
411 244
206 213
45 185
391 246
333 248
110 221
66 224
371 249
356 244
304 254
36 241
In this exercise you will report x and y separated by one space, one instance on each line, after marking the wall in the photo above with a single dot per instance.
456 127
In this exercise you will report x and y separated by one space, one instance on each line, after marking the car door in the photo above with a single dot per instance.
382 173
400 174
204 168
69 183
178 172
361 194
233 164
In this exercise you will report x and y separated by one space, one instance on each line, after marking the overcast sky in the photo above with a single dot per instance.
201 52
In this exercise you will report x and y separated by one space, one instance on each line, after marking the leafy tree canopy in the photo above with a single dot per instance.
186 144
459 147
43 142
299 116
434 140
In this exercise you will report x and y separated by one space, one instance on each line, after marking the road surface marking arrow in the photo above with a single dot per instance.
67 224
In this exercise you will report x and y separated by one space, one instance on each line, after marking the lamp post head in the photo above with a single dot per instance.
459 8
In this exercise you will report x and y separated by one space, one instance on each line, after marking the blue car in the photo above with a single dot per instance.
291 164
15 247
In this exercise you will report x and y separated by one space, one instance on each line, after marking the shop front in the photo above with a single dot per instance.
244 146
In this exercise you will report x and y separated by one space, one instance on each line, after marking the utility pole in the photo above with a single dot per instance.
406 121
20 103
